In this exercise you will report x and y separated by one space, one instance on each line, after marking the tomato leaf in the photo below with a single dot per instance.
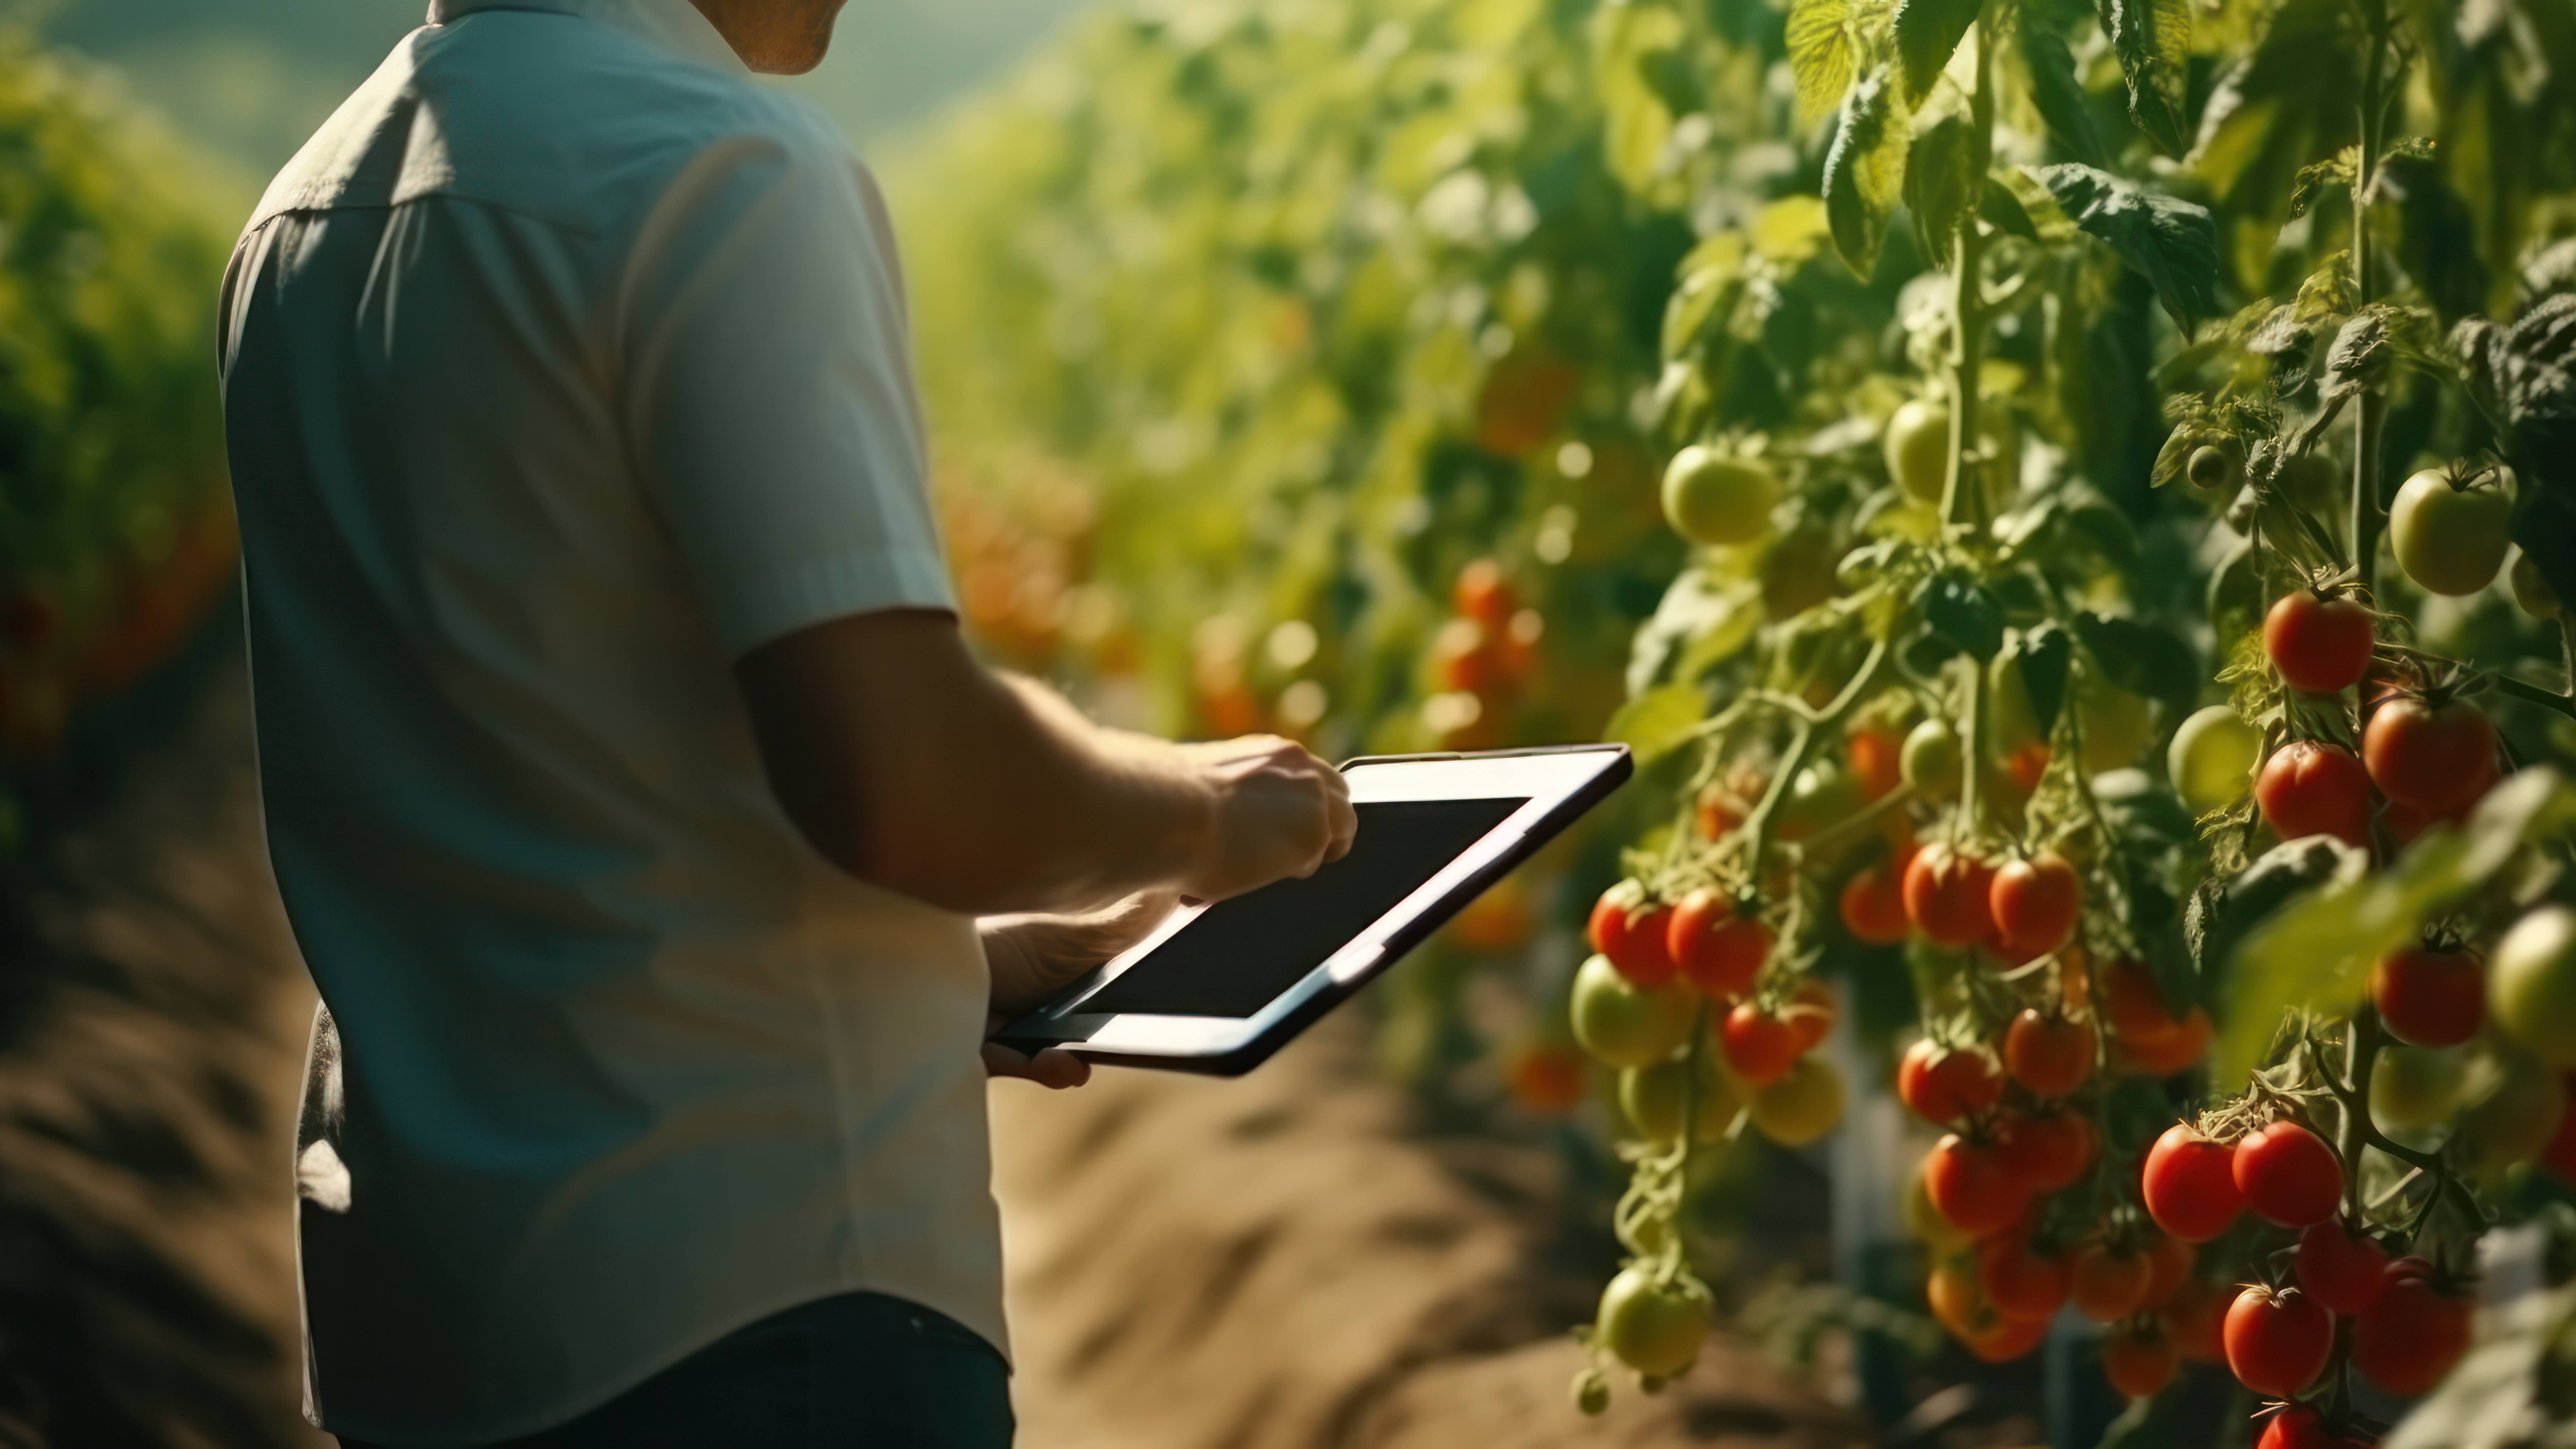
2141 658
1865 170
1941 182
2170 242
2058 94
1656 723
2317 950
2153 41
1928 33
1701 622
1958 610
2046 655
1820 55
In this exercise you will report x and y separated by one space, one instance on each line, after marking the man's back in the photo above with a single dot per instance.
564 367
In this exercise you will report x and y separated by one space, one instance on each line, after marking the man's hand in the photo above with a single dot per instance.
1279 812
1034 957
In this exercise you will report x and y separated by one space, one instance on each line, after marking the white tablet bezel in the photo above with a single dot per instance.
1550 780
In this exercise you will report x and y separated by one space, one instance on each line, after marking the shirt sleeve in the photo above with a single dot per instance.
766 381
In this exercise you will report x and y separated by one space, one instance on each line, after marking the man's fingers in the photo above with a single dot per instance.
1054 1068
1345 822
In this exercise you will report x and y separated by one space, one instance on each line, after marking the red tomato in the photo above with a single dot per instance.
2140 1362
2309 788
1713 948
2341 1269
2412 1337
2288 1175
1946 894
2171 1258
2164 1056
2019 1282
1876 761
1760 1047
1873 906
2111 1283
2435 760
1810 1014
2132 1005
1484 595
2295 1427
1942 1085
1632 931
2034 902
2190 1185
1549 1080
2026 765
2430 998
2051 1055
2320 645
1957 1302
2192 1320
2046 1151
2560 1155
2277 1340
2007 1339
1971 1187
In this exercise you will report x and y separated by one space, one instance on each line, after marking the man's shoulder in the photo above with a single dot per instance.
576 122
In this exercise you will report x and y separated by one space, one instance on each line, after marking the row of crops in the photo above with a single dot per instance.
2070 504
116 529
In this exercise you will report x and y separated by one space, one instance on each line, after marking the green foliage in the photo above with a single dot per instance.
114 520
1865 170
2315 952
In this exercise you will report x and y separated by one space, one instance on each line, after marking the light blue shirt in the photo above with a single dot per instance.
564 365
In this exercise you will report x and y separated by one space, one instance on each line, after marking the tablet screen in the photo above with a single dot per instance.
1244 953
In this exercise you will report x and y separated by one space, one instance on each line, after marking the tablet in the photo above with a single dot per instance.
1217 988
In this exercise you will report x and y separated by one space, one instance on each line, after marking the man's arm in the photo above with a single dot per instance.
907 764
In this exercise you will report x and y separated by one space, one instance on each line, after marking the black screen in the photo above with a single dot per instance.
1240 955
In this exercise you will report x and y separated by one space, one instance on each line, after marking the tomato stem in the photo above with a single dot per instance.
1812 728
2370 418
1962 502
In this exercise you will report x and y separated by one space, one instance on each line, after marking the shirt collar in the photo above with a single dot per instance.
674 26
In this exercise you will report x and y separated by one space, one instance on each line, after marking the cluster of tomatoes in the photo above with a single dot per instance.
2429 754
2410 1320
1658 972
1481 658
2021 1129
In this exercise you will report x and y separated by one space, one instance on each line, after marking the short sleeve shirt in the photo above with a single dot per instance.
562 366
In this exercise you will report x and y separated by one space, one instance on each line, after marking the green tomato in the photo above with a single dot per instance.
2514 1104
2450 540
1652 1098
2531 984
1798 573
2117 726
2532 591
2212 757
1715 500
1622 1025
2210 469
2412 1088
1930 761
1654 1328
1822 795
1918 448
1801 1107
2011 720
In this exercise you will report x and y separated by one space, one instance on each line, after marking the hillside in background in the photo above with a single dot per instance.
251 78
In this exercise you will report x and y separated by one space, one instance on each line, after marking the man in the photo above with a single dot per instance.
628 786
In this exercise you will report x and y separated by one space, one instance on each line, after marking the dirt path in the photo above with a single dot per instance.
1274 1263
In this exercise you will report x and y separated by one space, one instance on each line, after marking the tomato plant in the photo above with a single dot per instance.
2039 403
116 526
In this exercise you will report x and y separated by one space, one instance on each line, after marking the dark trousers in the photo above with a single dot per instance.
858 1371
